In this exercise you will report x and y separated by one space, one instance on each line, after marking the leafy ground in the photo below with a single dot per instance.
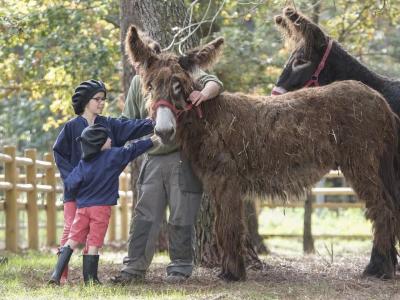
333 272
286 276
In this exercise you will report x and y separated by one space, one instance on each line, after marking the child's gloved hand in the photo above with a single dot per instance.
156 140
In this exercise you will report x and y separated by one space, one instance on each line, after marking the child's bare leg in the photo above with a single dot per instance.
72 244
93 250
99 218
69 215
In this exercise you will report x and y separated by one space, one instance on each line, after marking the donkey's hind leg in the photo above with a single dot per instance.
384 255
382 265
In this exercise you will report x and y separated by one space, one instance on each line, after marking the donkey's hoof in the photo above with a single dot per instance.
228 276
379 271
397 267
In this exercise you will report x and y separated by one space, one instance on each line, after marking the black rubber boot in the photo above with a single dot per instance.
62 262
90 266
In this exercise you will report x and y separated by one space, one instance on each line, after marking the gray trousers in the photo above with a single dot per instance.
164 180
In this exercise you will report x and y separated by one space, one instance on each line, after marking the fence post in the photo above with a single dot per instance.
308 240
123 183
33 219
11 208
51 210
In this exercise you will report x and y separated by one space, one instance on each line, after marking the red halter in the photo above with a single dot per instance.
177 112
314 77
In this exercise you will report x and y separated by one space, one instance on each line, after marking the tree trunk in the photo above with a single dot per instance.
156 18
308 240
207 254
251 214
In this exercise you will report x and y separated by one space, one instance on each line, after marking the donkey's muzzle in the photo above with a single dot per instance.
278 90
166 135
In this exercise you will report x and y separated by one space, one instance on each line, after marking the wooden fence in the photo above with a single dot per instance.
30 175
39 176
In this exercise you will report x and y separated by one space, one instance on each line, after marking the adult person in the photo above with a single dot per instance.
165 179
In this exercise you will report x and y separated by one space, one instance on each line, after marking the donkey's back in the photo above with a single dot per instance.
286 143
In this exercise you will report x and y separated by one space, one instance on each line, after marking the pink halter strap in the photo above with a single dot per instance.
314 77
177 112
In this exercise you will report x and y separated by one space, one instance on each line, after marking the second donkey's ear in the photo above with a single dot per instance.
203 56
137 50
308 30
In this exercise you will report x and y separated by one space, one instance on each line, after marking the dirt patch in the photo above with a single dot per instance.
282 277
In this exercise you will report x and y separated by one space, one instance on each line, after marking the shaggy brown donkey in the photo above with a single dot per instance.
240 144
310 44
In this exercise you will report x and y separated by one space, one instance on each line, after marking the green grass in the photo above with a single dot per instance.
307 277
324 221
332 273
25 276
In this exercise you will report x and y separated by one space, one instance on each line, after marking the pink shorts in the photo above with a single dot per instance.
69 215
90 225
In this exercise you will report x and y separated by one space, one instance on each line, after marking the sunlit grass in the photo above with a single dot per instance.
324 221
25 275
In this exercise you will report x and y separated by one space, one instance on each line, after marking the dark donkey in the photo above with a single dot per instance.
240 144
319 60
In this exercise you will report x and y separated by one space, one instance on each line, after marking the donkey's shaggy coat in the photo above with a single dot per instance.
279 145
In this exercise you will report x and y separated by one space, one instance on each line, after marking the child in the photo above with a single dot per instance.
88 102
94 182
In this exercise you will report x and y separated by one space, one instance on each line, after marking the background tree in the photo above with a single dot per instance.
47 47
156 18
42 41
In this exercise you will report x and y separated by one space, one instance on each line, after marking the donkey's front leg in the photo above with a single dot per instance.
230 231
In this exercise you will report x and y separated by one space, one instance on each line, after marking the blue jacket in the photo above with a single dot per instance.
95 182
67 151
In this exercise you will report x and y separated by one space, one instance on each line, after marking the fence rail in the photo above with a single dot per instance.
34 183
39 176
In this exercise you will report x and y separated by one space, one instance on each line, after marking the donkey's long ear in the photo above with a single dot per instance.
137 50
283 26
290 37
309 31
203 56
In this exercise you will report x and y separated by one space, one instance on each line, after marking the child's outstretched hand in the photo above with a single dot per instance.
156 140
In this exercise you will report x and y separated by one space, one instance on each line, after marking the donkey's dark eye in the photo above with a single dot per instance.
176 88
298 62
149 87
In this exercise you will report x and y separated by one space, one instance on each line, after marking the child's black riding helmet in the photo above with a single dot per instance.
84 92
92 139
